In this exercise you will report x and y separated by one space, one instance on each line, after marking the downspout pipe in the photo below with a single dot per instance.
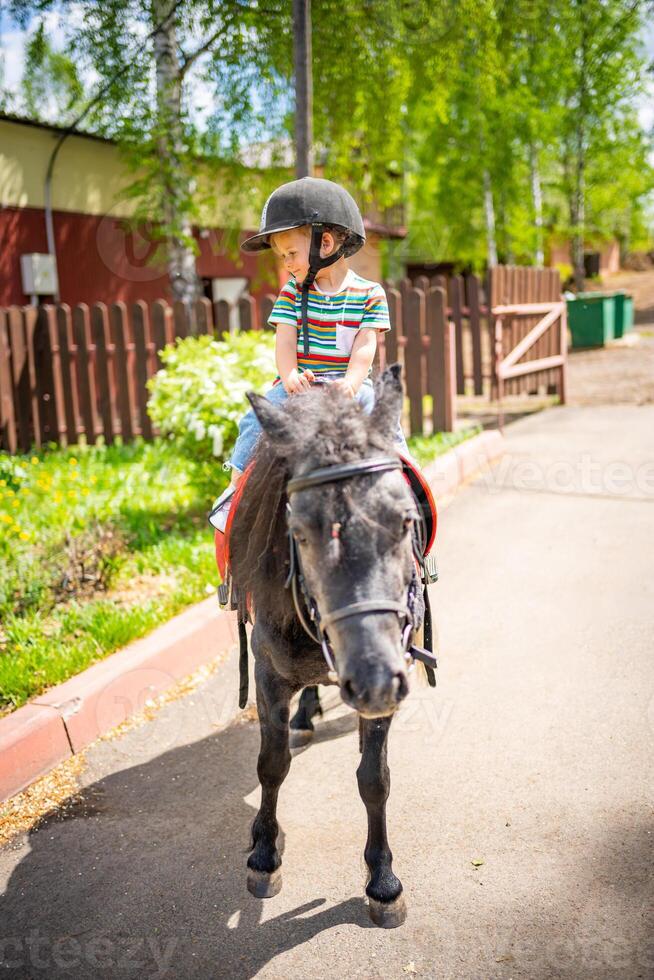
47 195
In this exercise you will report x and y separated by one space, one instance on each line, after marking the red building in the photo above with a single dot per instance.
99 257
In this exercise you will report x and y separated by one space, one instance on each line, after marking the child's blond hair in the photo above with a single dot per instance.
338 234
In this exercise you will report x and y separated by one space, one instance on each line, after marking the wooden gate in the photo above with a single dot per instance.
529 323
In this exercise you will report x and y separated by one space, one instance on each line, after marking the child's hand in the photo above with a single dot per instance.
345 386
296 382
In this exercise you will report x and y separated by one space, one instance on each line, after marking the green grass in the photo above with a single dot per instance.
426 448
98 545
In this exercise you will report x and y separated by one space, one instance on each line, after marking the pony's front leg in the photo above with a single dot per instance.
384 889
273 697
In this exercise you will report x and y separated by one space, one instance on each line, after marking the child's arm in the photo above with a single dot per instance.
361 357
286 359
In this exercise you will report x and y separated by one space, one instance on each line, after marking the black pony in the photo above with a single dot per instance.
351 538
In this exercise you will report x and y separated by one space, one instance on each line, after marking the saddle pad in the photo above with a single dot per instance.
424 497
221 540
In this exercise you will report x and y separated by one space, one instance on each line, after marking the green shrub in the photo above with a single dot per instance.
198 397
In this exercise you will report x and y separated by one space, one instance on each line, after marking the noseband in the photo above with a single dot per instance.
316 626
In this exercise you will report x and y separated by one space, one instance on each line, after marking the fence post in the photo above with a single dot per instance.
221 318
392 336
564 354
83 370
99 334
162 331
414 304
8 439
64 340
21 377
203 316
118 325
48 427
442 362
139 325
456 303
246 313
265 309
472 290
181 319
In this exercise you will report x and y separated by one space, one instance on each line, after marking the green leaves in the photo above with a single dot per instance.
198 397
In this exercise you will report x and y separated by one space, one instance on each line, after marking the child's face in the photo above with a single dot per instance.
293 248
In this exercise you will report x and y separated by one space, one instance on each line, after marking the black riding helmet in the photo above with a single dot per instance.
320 204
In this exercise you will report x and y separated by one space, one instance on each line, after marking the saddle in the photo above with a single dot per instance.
423 544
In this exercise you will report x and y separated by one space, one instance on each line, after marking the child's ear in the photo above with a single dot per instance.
327 244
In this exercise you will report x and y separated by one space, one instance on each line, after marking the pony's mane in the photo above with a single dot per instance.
325 427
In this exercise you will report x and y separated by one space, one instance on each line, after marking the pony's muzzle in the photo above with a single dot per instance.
375 697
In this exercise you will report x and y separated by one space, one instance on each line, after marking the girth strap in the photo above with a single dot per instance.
244 680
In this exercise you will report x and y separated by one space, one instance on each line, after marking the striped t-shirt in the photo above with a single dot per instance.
333 319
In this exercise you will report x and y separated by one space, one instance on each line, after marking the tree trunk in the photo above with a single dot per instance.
489 211
537 199
177 186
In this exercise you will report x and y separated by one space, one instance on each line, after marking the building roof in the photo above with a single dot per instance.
53 127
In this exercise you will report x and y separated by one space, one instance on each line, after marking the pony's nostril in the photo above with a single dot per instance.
400 687
348 689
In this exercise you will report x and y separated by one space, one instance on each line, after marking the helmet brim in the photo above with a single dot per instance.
257 243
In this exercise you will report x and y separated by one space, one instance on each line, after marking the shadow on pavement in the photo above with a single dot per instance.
145 876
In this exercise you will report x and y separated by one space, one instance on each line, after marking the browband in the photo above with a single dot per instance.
368 605
342 471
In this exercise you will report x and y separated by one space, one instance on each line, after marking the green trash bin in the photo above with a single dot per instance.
591 318
624 313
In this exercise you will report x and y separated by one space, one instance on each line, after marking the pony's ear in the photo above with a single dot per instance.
274 420
388 400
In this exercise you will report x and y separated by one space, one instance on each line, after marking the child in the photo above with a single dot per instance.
326 317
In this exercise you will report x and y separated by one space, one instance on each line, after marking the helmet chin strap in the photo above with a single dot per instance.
316 263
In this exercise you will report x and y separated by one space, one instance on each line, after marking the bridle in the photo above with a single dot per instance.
317 625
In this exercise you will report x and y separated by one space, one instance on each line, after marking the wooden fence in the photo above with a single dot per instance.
67 373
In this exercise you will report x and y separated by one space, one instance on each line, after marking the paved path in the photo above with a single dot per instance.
622 373
534 756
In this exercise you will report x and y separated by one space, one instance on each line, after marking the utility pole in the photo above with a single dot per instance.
303 88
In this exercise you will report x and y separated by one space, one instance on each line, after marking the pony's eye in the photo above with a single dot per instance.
407 524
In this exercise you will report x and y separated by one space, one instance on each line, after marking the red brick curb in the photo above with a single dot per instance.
61 722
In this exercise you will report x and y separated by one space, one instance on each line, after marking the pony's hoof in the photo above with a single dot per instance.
264 885
299 737
388 915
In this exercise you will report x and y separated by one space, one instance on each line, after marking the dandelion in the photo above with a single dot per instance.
74 475
15 503
72 461
34 461
71 495
3 483
5 518
94 479
85 491
24 536
16 528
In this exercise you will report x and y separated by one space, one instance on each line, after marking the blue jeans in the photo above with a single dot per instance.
249 428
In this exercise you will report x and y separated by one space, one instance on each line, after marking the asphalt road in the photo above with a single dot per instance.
534 757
